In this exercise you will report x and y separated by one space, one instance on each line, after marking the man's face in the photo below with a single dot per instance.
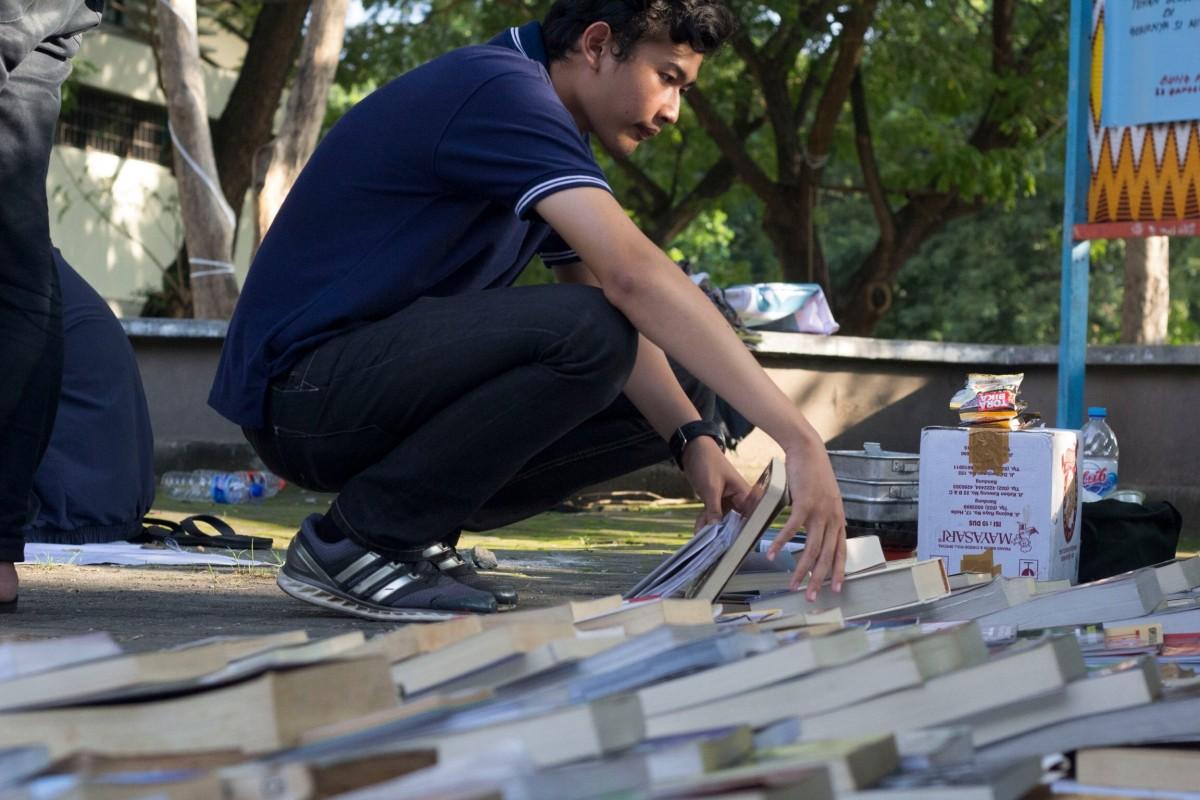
634 99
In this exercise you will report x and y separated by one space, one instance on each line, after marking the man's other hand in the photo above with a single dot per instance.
817 507
719 486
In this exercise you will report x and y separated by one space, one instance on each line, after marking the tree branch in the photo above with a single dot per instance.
850 47
731 145
866 159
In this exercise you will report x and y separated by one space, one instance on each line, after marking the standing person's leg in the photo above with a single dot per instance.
418 419
37 41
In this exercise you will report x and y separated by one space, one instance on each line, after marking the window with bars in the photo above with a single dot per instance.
112 123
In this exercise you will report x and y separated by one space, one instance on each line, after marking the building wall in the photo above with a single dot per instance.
853 391
116 219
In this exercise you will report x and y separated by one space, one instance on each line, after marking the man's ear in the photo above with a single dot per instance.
594 41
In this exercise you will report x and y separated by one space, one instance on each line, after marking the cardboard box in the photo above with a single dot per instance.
1014 494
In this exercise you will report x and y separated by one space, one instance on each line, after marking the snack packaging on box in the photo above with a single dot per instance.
1013 493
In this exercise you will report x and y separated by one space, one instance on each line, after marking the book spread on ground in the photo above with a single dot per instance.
757 574
1122 596
703 566
1163 769
886 588
874 675
1017 673
980 781
253 716
1125 685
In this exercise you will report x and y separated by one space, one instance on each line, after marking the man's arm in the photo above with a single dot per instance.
654 391
640 280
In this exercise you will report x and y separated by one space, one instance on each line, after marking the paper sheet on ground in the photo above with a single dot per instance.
131 555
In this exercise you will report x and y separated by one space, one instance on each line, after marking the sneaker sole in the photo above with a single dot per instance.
323 597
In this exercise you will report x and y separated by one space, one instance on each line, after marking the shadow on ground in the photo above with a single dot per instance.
550 559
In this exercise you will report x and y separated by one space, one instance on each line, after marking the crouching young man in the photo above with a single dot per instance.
380 352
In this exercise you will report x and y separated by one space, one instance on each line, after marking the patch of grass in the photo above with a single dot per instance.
652 530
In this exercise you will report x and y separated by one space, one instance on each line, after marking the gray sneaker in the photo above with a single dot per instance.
346 577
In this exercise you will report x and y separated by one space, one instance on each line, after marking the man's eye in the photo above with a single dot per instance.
666 77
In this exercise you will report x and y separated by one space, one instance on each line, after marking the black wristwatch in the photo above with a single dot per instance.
690 430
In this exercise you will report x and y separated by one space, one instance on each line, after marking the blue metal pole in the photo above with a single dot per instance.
1073 312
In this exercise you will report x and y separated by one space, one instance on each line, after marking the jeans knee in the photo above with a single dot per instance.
602 336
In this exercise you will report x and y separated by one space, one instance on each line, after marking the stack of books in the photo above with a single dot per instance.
908 684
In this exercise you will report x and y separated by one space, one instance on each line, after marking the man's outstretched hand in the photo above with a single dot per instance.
817 507
713 478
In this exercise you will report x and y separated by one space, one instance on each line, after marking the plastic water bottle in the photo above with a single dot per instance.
213 486
1099 456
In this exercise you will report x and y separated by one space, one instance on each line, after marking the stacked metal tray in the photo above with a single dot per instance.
877 485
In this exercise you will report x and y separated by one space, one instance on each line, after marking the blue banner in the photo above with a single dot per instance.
1151 62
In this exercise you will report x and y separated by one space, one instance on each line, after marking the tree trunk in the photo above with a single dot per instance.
208 221
305 110
1147 294
248 118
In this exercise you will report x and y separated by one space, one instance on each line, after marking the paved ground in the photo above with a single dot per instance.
551 558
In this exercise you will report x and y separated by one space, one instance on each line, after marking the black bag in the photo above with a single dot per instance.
1118 537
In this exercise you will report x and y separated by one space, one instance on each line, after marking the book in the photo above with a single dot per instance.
83 679
962 580
756 574
640 616
703 566
969 603
790 660
572 611
551 655
939 648
19 763
1174 621
766 780
255 716
424 672
558 736
852 763
1163 769
1178 575
869 592
145 674
679 758
19 658
1008 780
1120 597
1172 718
877 674
416 639
1132 683
1020 672
926 748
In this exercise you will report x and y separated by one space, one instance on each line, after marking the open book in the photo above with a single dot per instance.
703 566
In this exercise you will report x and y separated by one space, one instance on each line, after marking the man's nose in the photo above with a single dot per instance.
668 114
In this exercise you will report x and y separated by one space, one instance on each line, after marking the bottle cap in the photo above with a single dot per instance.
1097 411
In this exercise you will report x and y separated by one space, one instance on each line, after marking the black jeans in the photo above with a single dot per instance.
37 40
472 411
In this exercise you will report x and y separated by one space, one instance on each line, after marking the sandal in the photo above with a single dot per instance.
187 533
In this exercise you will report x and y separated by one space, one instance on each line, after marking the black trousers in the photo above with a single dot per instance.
37 40
465 412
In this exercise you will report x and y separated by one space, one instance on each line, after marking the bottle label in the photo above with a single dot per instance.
1098 478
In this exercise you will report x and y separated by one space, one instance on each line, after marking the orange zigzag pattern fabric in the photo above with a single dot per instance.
1152 184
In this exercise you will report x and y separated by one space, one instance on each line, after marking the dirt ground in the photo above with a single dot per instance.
153 607
550 559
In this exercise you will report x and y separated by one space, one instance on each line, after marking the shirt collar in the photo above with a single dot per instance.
526 40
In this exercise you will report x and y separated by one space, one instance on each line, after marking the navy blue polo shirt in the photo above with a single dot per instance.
426 188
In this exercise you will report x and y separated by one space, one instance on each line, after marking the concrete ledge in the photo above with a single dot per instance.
788 345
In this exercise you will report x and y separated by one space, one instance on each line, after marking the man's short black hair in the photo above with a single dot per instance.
702 24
